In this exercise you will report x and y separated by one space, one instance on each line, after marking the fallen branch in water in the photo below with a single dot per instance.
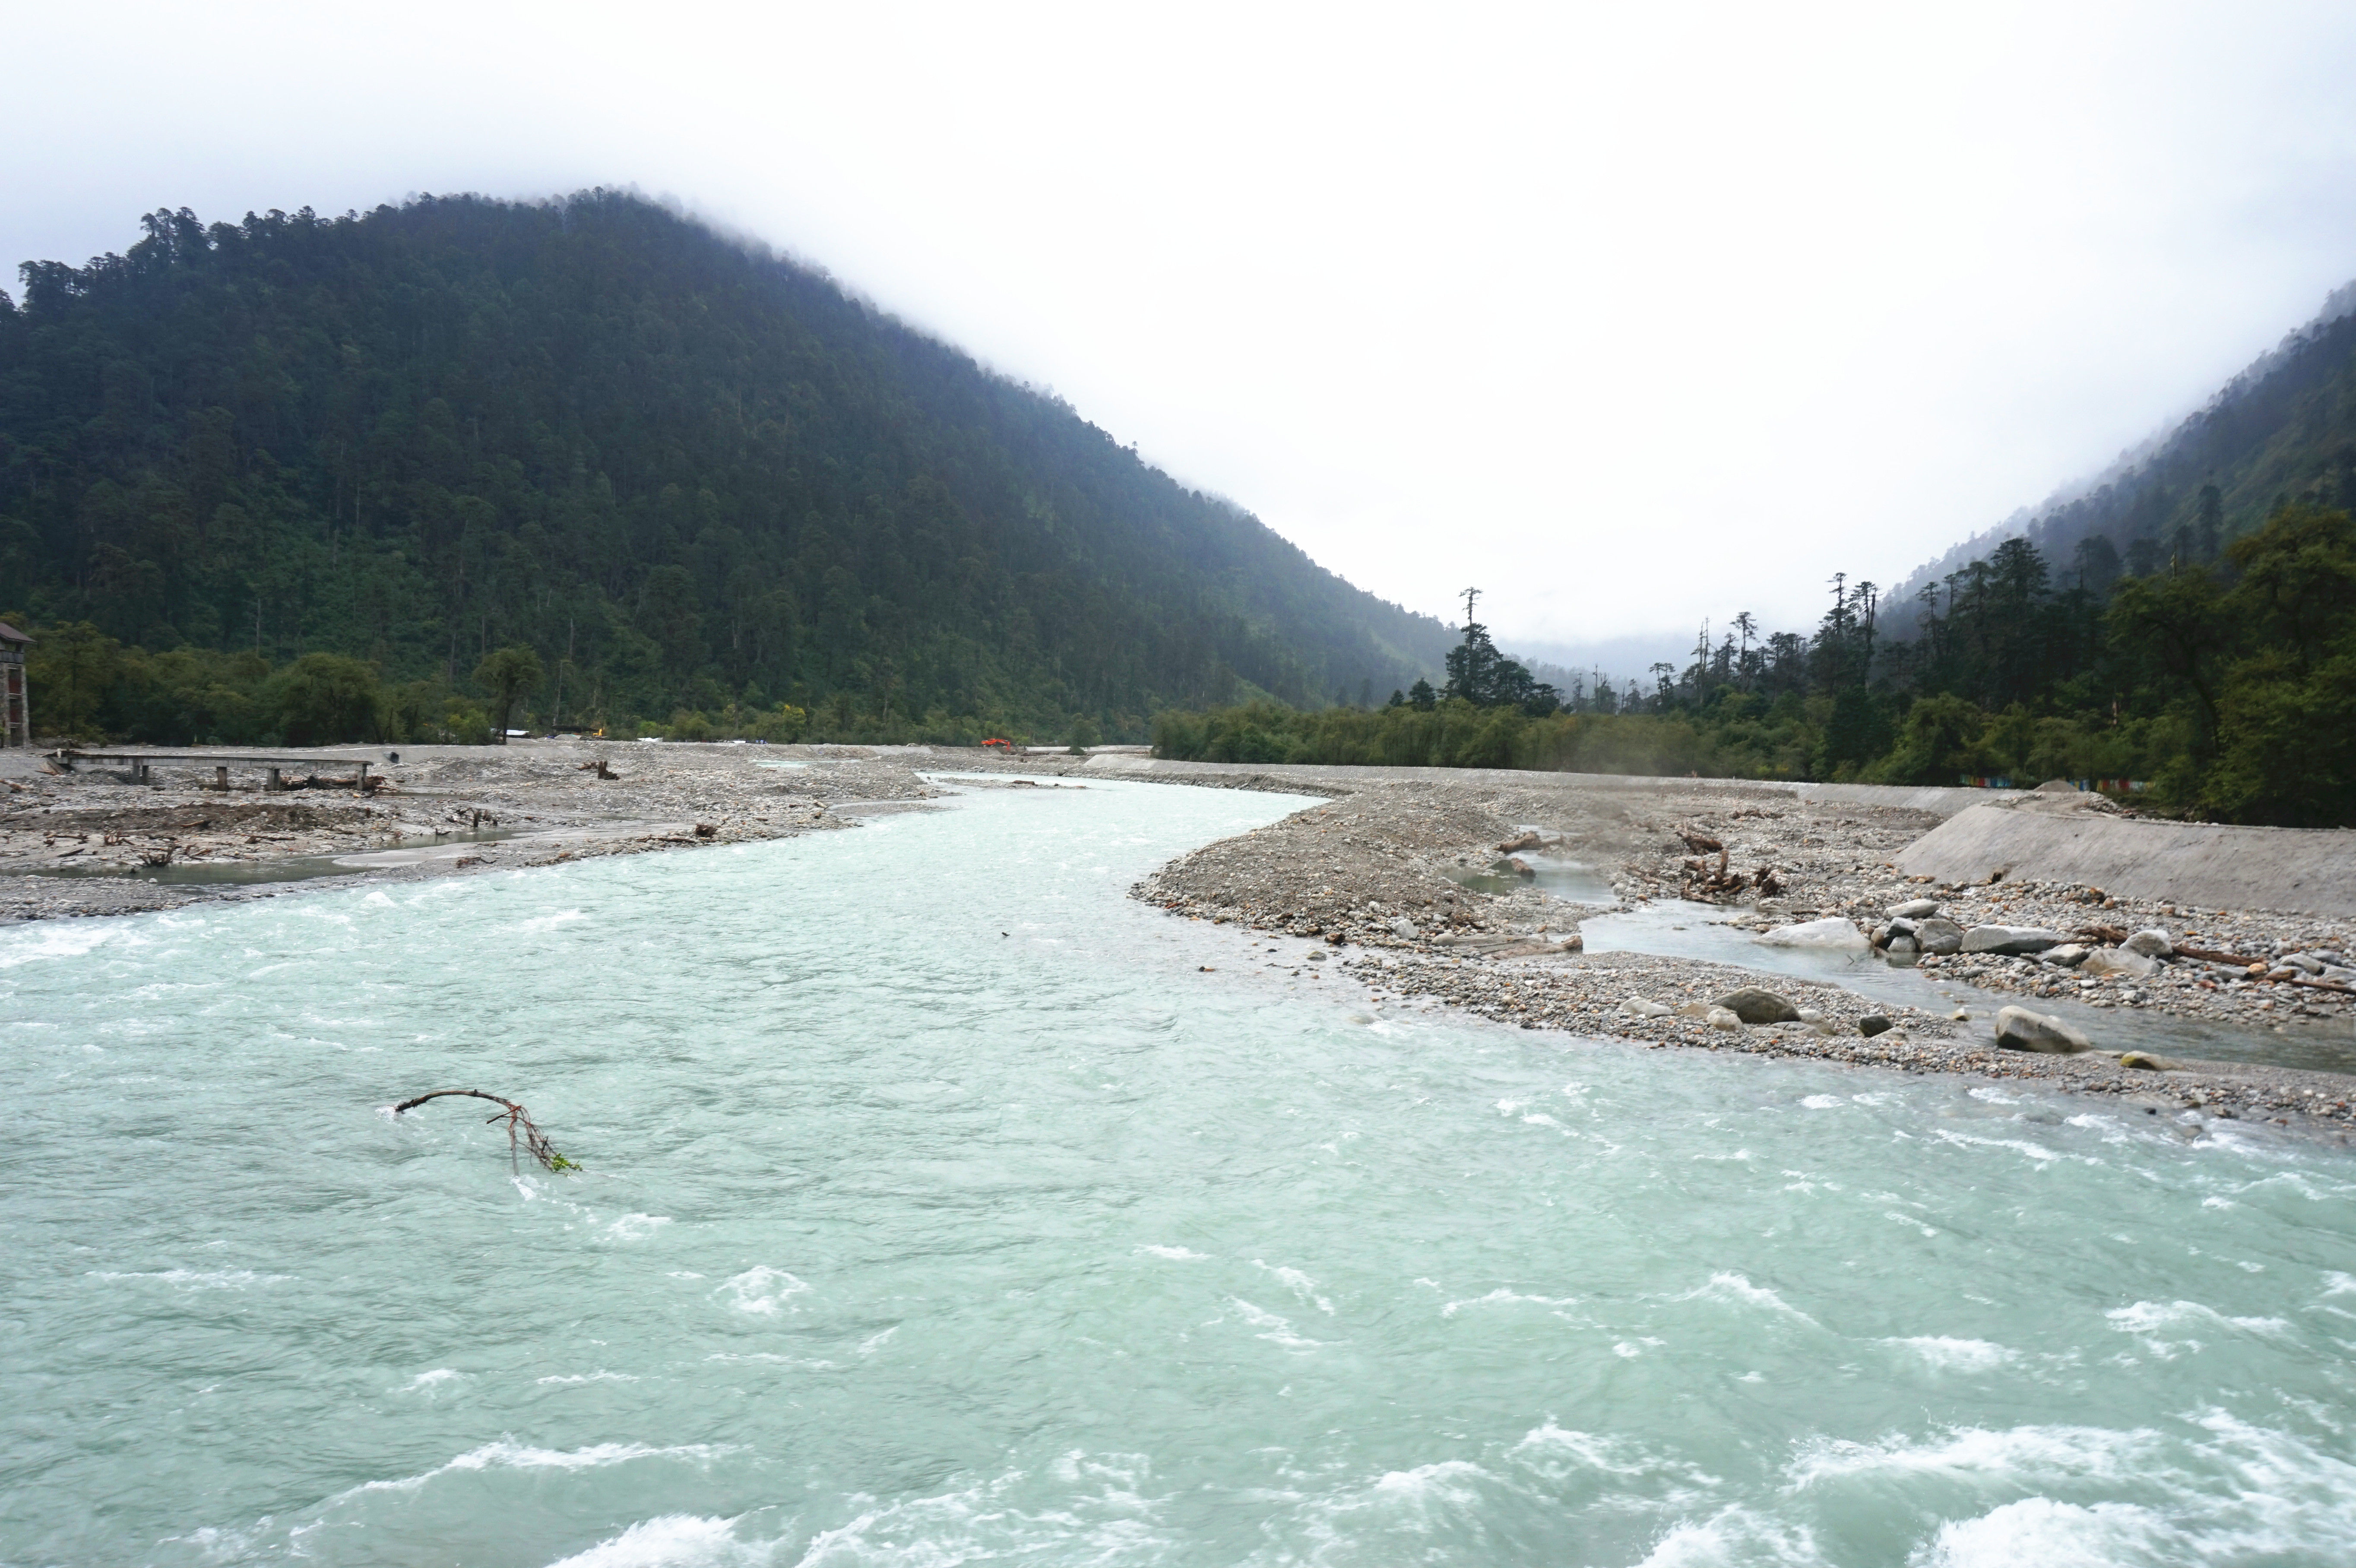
520 1127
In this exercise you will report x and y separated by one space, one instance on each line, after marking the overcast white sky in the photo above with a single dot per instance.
1631 315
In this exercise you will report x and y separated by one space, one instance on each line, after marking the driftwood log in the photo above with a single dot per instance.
521 1134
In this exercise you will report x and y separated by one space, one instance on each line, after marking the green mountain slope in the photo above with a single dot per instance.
687 474
2285 429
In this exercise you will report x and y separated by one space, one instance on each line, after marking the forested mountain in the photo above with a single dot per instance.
694 480
2283 430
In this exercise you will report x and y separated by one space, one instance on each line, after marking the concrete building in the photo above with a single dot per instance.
15 708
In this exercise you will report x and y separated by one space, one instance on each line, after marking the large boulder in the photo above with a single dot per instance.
2118 961
1940 936
2013 939
1757 1005
2152 945
2018 1029
1831 934
1914 909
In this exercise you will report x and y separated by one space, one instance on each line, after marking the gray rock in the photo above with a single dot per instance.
1832 934
2018 1029
1914 909
2118 961
1638 1007
1756 1004
1940 936
1404 928
1873 1024
2306 961
2011 939
2066 955
1720 1017
1900 925
1901 945
2152 945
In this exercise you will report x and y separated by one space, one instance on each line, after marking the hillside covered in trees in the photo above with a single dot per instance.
2227 685
303 477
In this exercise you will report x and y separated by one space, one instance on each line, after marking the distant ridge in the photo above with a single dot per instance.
2285 426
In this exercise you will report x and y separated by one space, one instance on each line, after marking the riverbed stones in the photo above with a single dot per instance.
1757 1005
1832 935
1941 938
2011 939
2152 945
2018 1029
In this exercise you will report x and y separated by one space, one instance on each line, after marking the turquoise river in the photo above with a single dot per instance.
940 1209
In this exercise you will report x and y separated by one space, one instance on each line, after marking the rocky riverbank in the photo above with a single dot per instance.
1430 887
91 843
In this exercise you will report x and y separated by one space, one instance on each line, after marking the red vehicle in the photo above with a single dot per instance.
1002 745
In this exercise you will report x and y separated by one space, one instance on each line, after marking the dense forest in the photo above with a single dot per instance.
382 476
2224 679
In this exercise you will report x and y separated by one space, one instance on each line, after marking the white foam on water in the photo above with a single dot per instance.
600 1376
426 1382
1176 1254
1955 1355
2039 1532
636 1227
1013 1517
506 1453
1501 1296
1823 1102
1303 1288
2035 1151
550 921
53 939
2019 1455
1276 1329
199 1279
1735 1537
2150 1320
764 1290
1728 1285
673 1540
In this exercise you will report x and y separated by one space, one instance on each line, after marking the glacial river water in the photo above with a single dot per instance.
940 1209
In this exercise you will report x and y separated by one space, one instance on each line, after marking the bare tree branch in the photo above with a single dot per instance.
520 1129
